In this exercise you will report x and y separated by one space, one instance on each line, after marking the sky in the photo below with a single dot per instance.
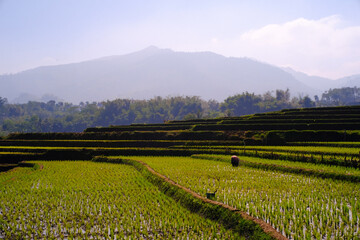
317 37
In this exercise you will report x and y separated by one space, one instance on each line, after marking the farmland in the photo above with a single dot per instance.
298 178
308 206
100 200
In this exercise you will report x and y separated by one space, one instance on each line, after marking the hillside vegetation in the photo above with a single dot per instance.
65 117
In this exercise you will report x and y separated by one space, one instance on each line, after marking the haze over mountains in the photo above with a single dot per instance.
161 72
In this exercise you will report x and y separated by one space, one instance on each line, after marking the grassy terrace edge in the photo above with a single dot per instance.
285 169
228 216
7 167
334 159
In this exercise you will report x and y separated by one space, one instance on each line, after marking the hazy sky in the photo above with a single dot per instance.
318 37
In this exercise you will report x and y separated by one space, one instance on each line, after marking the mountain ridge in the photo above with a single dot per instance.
153 72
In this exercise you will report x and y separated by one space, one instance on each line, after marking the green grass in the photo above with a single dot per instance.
301 165
289 149
298 206
327 144
14 153
100 200
309 149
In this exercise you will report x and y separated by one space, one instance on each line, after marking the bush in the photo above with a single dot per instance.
274 138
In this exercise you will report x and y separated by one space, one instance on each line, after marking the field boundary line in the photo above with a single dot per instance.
34 166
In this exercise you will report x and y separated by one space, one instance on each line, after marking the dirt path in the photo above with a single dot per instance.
267 228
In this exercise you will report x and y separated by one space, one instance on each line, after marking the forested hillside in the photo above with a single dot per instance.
66 117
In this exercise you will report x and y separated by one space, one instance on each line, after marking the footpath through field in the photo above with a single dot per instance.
297 206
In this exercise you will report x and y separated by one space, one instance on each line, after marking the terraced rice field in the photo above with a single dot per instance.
87 200
299 172
321 168
300 207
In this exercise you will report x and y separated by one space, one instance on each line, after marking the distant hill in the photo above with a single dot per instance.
323 84
151 72
320 84
350 81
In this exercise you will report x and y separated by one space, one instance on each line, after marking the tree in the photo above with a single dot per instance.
3 101
282 95
306 102
242 104
341 96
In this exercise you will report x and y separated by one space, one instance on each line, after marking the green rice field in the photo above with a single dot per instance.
298 177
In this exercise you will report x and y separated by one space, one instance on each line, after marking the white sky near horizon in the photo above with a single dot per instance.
317 37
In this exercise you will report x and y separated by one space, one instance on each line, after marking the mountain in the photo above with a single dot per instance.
320 84
350 81
151 72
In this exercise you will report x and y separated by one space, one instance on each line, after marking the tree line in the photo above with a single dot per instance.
67 117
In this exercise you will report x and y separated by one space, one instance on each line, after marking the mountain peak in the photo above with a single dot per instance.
153 50
149 51
146 52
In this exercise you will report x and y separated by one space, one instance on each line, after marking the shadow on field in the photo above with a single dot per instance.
6 167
